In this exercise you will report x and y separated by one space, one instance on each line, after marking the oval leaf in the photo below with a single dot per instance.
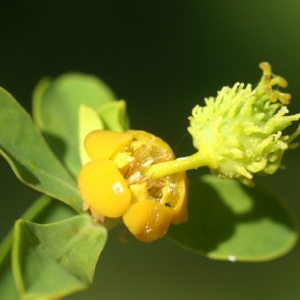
229 221
87 122
44 210
30 157
56 107
57 259
113 115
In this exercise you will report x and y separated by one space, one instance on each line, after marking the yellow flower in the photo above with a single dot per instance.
113 185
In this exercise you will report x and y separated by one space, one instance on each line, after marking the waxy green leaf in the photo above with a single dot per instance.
30 157
53 260
56 107
229 221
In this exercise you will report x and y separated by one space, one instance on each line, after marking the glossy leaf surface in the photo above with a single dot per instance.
30 157
56 107
53 260
229 221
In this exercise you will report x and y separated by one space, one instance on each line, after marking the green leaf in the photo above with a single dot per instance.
88 121
30 157
229 221
53 260
113 115
44 210
56 107
8 289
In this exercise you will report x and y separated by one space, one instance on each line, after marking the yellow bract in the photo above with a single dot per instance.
180 192
148 220
103 144
113 184
104 189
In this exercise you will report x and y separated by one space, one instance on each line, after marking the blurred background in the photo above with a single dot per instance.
163 58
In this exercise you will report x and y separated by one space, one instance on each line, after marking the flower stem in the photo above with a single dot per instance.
195 161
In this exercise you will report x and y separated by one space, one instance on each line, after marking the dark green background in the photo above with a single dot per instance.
162 57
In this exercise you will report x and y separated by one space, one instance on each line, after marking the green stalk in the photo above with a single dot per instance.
195 161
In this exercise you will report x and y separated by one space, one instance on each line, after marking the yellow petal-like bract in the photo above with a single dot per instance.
104 189
112 184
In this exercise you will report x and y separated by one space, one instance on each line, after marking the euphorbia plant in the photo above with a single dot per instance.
79 149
